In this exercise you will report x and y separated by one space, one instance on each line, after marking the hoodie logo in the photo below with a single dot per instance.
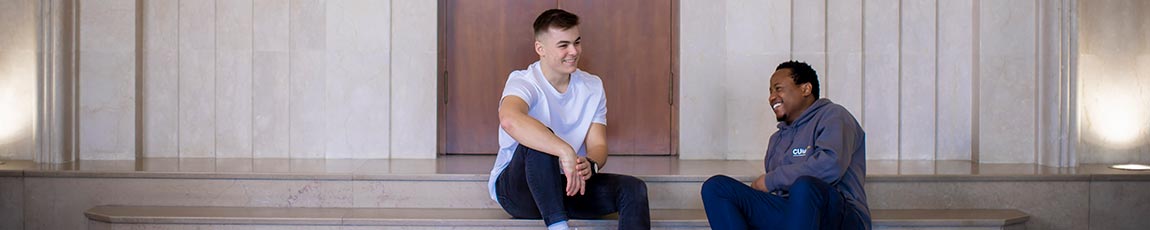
799 152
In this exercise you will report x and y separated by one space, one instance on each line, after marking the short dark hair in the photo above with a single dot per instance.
802 73
555 18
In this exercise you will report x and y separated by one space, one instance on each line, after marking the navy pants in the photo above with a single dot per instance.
532 187
813 204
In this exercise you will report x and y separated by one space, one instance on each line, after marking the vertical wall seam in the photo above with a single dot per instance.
215 78
936 73
826 50
976 78
179 63
289 80
139 75
898 95
1038 60
76 148
862 62
252 86
390 74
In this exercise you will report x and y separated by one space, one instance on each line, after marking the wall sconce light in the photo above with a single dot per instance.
1131 167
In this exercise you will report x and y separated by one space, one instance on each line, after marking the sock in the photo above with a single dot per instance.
561 225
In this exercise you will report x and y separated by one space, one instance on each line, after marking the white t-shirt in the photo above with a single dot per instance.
568 114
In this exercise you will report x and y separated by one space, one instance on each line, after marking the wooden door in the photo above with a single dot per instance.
484 41
627 43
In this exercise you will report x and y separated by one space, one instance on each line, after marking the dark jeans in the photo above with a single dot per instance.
532 187
813 204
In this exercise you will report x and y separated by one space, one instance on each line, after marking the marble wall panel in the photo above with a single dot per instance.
197 84
412 78
809 37
160 97
702 73
955 79
18 67
881 78
1112 76
107 77
917 106
1007 89
356 79
270 82
307 33
757 32
234 68
844 68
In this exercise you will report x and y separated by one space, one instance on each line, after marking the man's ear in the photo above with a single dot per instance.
807 87
539 48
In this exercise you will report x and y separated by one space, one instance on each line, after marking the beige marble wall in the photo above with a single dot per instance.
702 101
17 78
107 81
757 40
270 62
911 71
1114 76
1007 81
955 79
161 62
234 69
413 79
287 79
918 82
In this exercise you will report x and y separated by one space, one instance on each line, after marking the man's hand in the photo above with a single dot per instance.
760 184
584 167
575 182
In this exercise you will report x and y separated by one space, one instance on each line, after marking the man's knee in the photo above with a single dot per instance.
806 183
634 186
715 185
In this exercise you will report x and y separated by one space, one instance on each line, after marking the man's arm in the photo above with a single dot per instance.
529 132
596 143
760 184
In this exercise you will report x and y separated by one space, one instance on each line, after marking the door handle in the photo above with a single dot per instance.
445 87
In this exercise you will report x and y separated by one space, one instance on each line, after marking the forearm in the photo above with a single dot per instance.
598 154
533 134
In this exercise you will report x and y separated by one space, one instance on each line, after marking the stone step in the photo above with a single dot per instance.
38 196
183 217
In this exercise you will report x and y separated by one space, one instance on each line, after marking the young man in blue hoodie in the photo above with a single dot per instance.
815 163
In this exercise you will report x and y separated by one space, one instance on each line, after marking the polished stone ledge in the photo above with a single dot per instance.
690 218
476 168
356 216
948 217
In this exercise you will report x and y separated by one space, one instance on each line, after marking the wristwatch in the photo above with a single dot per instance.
594 166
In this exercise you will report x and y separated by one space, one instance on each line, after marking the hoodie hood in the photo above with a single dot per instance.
807 114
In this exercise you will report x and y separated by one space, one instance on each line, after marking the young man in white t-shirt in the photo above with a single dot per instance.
553 139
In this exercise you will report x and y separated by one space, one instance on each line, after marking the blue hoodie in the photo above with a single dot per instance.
825 142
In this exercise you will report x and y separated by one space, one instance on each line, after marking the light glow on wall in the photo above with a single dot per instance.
1118 115
14 116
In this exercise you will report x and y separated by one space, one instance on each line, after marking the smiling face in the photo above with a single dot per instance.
559 49
788 100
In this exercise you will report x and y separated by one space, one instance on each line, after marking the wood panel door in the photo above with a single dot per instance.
627 43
